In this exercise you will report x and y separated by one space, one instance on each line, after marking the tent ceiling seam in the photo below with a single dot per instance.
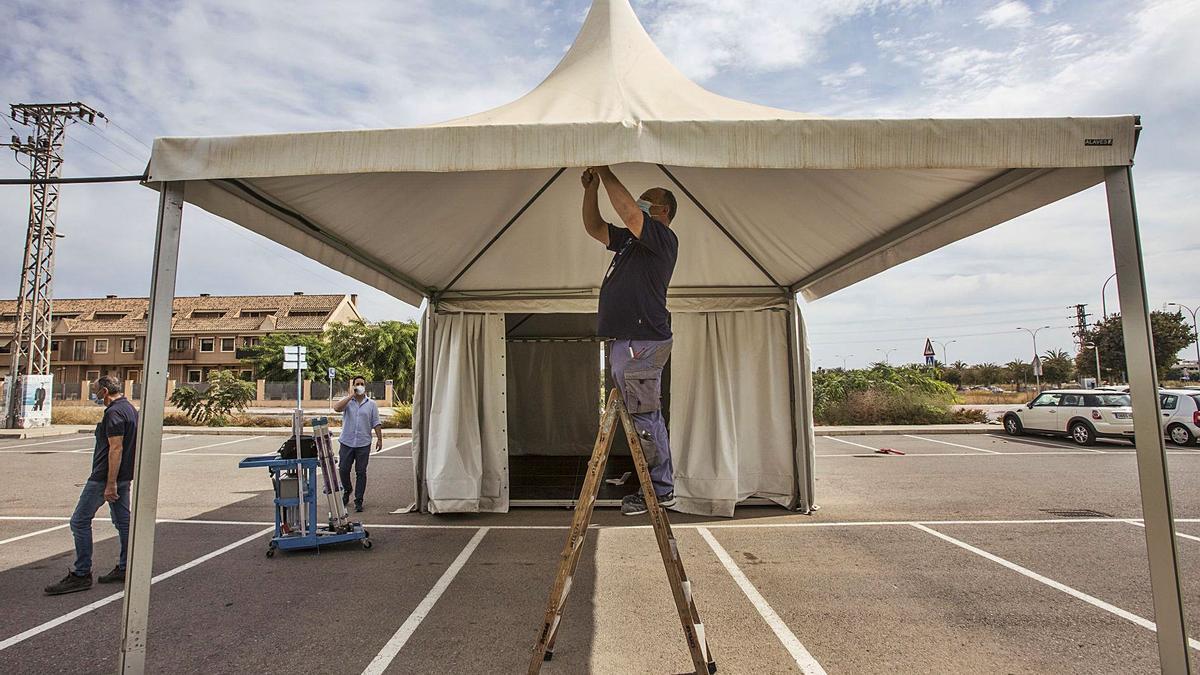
319 233
957 206
721 227
510 223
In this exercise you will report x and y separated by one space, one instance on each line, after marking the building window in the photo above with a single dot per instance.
127 345
101 346
256 313
308 314
247 375
55 345
194 376
207 315
108 316
207 344
248 342
79 350
183 344
227 344
93 375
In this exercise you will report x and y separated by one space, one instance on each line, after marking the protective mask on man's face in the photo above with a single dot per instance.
99 399
360 390
645 206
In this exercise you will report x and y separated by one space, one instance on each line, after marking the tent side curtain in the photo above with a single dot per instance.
459 413
731 418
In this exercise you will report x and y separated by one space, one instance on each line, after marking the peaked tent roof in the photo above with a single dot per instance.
768 197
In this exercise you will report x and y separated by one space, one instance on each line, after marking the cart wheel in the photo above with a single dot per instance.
271 552
366 535
367 543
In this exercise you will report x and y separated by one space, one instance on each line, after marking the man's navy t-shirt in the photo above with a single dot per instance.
120 419
633 297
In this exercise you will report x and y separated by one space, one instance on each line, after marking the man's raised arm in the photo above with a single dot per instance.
622 201
595 225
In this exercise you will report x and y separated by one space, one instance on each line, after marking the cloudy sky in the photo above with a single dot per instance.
209 68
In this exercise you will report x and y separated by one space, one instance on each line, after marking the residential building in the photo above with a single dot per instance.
95 336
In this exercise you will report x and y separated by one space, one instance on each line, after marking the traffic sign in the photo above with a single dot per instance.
332 373
295 357
1037 366
929 348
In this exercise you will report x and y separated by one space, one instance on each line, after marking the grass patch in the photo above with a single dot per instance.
76 414
885 395
988 398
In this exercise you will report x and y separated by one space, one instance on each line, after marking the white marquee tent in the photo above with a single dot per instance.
479 217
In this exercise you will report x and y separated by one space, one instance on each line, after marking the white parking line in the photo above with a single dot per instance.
1131 522
392 447
1090 599
76 437
212 445
803 658
34 534
955 445
857 445
966 454
42 628
384 658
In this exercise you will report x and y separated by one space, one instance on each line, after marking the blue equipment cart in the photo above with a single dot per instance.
296 525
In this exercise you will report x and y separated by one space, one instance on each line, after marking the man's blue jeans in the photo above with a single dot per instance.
90 501
358 458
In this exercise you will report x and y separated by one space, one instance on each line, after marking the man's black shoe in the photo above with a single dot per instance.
358 507
635 504
345 498
70 584
116 576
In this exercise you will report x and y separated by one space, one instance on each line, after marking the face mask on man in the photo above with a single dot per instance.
359 390
645 206
100 397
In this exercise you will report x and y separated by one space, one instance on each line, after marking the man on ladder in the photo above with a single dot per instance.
633 312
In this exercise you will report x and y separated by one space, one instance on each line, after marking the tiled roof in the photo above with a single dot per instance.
133 311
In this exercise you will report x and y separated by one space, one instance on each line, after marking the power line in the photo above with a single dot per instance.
897 338
917 325
115 144
108 121
1023 311
110 160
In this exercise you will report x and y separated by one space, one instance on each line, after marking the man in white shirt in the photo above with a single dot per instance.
360 416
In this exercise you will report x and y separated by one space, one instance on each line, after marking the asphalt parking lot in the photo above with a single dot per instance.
969 553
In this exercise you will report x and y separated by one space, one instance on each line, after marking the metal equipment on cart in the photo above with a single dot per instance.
295 484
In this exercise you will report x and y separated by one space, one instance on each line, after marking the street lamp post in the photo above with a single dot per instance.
1095 348
945 356
1103 299
886 354
1194 329
843 358
1033 333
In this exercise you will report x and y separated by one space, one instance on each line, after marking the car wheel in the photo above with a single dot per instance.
1012 425
1180 435
1082 434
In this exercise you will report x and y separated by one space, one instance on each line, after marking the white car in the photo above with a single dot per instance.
1083 415
1180 415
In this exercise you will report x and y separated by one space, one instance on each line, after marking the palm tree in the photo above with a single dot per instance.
1018 371
1058 366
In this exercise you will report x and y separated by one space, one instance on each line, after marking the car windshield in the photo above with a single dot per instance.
1109 400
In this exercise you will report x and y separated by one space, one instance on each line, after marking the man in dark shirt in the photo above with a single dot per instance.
112 472
633 312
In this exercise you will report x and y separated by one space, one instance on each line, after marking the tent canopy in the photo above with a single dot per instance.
768 198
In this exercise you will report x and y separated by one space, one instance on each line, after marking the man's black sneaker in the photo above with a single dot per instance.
71 583
117 575
345 498
635 504
358 507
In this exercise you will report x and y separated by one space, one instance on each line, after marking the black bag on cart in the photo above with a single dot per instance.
308 448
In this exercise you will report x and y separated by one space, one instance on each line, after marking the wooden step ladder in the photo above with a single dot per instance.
681 588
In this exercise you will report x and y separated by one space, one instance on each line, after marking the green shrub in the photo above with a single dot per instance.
401 417
886 395
226 393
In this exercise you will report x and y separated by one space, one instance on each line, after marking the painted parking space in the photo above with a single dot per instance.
894 599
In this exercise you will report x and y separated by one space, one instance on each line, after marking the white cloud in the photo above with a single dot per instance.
1009 14
854 70
703 37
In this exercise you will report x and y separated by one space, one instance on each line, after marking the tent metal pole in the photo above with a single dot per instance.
511 221
792 357
728 235
144 508
1154 481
